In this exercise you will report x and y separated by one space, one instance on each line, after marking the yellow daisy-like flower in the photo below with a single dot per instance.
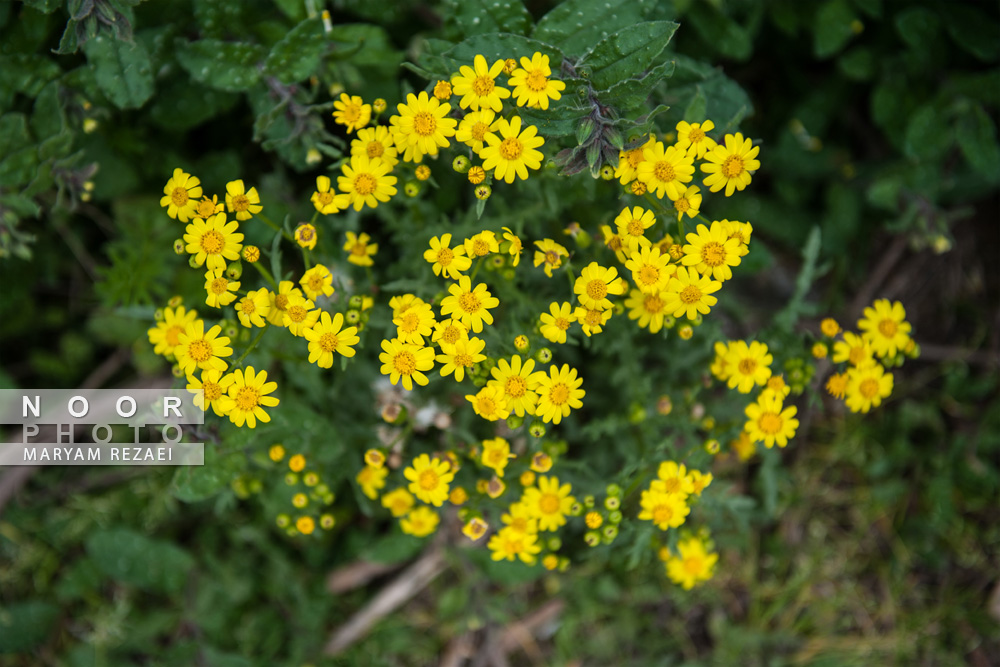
253 308
420 522
429 479
352 112
489 403
690 293
885 327
376 143
549 502
665 510
279 302
414 323
475 127
400 303
399 501
517 382
672 477
248 396
519 517
595 284
317 281
481 244
324 199
836 386
364 182
371 480
477 85
693 565
469 305
648 307
614 242
776 385
361 251
720 365
165 336
854 349
632 224
555 323
744 447
461 356
406 361
665 170
244 203
688 201
592 320
512 151
769 422
496 454
475 528
449 332
549 253
442 90
741 231
206 208
866 386
508 544
327 336
558 392
749 365
213 241
445 259
305 236
651 271
209 389
711 252
532 83
730 166
629 161
829 327
699 481
692 138
197 348
422 127
300 314
180 195
220 290
515 248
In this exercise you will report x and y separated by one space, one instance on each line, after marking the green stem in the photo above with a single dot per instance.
476 270
315 215
267 274
253 344
306 258
370 274
267 221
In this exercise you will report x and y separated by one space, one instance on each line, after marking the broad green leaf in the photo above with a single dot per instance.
181 106
25 625
928 134
216 18
977 137
18 168
46 6
475 17
576 25
123 71
623 54
26 74
13 133
47 118
230 66
832 29
134 559
858 64
369 45
298 55
558 121
632 93
726 36
973 30
917 26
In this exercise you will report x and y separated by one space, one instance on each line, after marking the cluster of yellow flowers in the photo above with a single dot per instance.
310 501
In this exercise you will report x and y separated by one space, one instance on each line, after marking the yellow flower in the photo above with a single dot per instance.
885 327
749 365
665 510
730 166
712 252
376 143
854 349
197 348
477 85
414 323
475 528
520 517
629 161
352 112
699 481
744 447
776 384
489 403
442 90
422 127
688 201
481 244
513 152
401 303
328 336
836 386
406 361
515 248
446 260
213 241
248 396
476 175
769 422
555 323
244 203
297 463
325 199
363 182
867 385
614 242
632 225
253 308
594 520
371 480
595 284
672 477
694 564
592 319
276 453
305 525
279 302
829 327
649 308
461 356
469 305
532 85
399 501
429 479
517 383
300 314
550 253
741 231
317 281
458 496
375 458
180 195
665 171
651 271
510 544
558 393
420 522
689 293
220 290
496 454
692 138
361 251
449 332
549 502
473 130
209 389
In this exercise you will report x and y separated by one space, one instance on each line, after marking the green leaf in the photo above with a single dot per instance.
45 6
181 106
25 625
576 25
977 137
475 17
973 30
726 36
858 64
230 66
13 133
134 559
558 121
18 168
371 45
633 93
626 52
917 26
299 54
123 71
194 483
790 314
832 29
928 134
498 46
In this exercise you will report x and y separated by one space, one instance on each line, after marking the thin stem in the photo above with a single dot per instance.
267 274
253 344
306 258
476 270
267 221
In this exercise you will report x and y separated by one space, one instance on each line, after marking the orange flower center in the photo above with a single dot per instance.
562 323
424 123
219 285
747 366
693 564
536 81
247 399
483 86
653 304
713 254
888 328
868 388
635 228
364 184
281 301
375 149
179 196
212 391
649 275
732 167
690 294
240 203
597 289
664 171
171 335
404 362
479 131
559 394
549 503
463 360
516 386
696 135
328 342
469 303
511 148
770 423
662 514
200 350
445 256
296 314
212 242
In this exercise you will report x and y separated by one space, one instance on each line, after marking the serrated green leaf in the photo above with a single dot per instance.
832 28
134 559
633 93
621 55
123 71
298 55
576 25
977 137
475 17
229 66
25 625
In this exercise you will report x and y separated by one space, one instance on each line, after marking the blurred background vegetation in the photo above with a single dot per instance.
871 540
